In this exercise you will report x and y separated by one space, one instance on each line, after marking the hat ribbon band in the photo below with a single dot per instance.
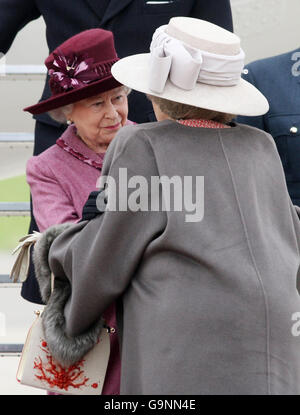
185 65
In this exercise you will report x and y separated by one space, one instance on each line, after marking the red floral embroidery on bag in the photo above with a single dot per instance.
58 376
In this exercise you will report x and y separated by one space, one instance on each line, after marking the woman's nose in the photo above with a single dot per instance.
110 111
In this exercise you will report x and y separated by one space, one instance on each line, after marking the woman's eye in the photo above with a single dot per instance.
119 97
98 103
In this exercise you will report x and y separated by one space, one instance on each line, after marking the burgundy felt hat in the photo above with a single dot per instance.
79 68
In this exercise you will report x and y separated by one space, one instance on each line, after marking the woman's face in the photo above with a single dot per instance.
100 117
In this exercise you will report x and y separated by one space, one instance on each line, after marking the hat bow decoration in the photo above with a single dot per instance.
185 65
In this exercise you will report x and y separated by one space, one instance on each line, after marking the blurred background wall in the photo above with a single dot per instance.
266 27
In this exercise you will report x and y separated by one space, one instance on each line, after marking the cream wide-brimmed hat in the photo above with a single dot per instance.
193 62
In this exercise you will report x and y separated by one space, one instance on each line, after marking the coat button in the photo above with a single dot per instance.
293 130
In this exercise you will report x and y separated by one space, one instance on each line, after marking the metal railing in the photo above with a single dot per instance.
4 279
13 209
23 72
7 348
13 138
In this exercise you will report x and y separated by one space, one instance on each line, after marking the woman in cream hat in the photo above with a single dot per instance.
204 270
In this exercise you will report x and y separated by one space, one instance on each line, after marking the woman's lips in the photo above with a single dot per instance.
114 127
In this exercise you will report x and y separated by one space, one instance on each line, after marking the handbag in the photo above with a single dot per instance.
39 369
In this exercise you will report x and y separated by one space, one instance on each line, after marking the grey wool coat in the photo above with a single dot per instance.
205 307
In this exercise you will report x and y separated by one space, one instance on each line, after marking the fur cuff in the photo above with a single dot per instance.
40 258
65 349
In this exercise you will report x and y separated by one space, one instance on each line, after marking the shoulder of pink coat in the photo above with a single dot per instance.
43 160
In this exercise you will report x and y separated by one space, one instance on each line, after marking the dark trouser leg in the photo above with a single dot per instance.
45 136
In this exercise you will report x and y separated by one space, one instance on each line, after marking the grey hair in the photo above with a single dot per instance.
178 111
60 114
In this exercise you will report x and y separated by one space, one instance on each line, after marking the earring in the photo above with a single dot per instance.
69 122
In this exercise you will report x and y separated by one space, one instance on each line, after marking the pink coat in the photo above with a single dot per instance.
61 179
60 182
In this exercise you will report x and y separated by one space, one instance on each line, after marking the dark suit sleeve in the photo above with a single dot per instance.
214 11
258 121
14 15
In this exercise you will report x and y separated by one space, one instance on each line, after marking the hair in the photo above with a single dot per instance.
60 114
178 111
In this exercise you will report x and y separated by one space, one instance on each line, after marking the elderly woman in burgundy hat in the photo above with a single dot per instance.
207 281
94 104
